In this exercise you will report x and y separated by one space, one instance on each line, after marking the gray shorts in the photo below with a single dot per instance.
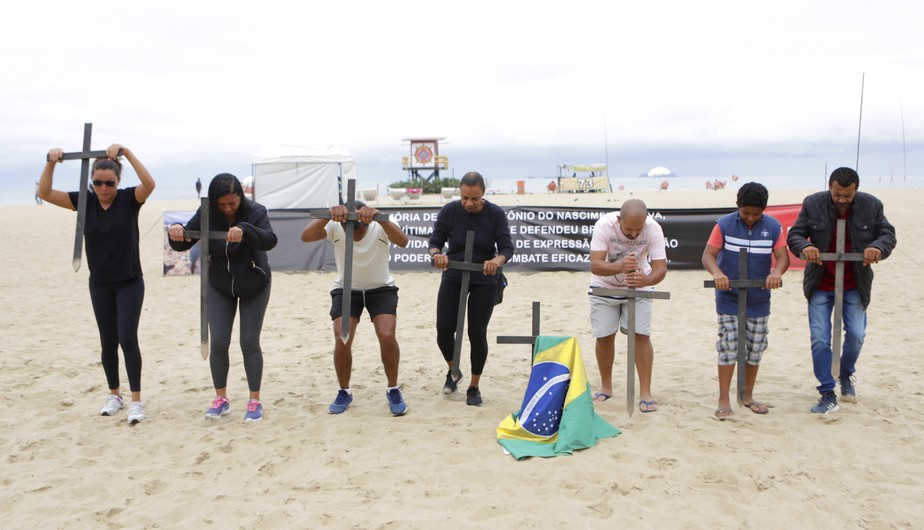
609 315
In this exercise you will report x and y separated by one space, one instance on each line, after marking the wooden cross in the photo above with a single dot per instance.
349 228
528 339
632 294
742 284
204 235
839 257
466 266
84 157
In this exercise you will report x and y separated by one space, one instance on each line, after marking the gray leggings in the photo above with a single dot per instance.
222 309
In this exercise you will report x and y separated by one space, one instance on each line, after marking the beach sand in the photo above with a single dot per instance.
64 466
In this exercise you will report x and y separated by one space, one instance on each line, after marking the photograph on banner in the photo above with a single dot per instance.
179 263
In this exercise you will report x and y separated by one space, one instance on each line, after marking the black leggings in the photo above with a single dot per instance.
222 308
117 307
481 298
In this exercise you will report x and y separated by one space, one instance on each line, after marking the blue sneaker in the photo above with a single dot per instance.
396 402
848 389
341 402
220 407
827 403
254 411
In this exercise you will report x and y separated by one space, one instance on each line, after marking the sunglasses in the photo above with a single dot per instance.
107 183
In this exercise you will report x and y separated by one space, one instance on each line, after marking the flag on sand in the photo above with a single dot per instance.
557 415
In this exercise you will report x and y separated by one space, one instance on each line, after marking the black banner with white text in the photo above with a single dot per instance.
545 238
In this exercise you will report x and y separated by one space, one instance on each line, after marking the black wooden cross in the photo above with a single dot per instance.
84 157
466 266
632 294
528 339
742 284
839 257
204 234
349 228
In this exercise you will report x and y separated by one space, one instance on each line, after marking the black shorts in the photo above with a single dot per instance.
378 301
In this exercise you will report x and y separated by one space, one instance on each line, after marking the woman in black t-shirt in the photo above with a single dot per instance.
492 248
116 283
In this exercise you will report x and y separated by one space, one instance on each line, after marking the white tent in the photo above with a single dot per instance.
295 176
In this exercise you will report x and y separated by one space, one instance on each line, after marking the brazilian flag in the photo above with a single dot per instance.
557 415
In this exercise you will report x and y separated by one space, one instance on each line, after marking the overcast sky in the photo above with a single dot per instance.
705 88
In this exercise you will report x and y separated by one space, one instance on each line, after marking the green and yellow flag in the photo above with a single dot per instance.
557 415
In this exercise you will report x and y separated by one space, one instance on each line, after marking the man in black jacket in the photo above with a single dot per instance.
869 232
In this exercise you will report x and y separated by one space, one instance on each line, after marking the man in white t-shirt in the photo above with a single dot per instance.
373 288
627 250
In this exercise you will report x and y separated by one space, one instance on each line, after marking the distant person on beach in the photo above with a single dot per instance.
198 187
194 252
493 247
372 287
38 199
239 277
869 232
113 257
627 250
762 236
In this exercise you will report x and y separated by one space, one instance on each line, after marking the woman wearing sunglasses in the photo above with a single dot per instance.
116 283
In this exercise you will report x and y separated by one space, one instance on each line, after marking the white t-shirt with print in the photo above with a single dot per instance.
370 257
608 237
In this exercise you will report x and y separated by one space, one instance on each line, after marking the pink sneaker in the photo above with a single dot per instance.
254 411
220 407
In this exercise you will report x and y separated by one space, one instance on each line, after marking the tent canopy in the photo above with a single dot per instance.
296 176
597 168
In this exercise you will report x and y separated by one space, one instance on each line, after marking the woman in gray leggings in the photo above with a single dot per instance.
239 275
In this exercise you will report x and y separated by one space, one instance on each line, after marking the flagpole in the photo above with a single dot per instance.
860 125
606 148
904 158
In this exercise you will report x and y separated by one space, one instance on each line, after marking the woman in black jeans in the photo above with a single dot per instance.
239 275
493 247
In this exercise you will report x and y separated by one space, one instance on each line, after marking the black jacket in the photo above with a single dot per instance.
237 269
816 225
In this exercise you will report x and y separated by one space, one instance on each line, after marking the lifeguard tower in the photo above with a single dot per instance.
424 156
580 181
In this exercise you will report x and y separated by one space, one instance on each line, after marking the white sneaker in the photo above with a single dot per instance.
113 404
135 412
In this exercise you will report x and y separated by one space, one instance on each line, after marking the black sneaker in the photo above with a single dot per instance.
473 396
452 383
827 403
848 389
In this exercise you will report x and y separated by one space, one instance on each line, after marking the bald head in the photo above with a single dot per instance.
634 209
632 217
